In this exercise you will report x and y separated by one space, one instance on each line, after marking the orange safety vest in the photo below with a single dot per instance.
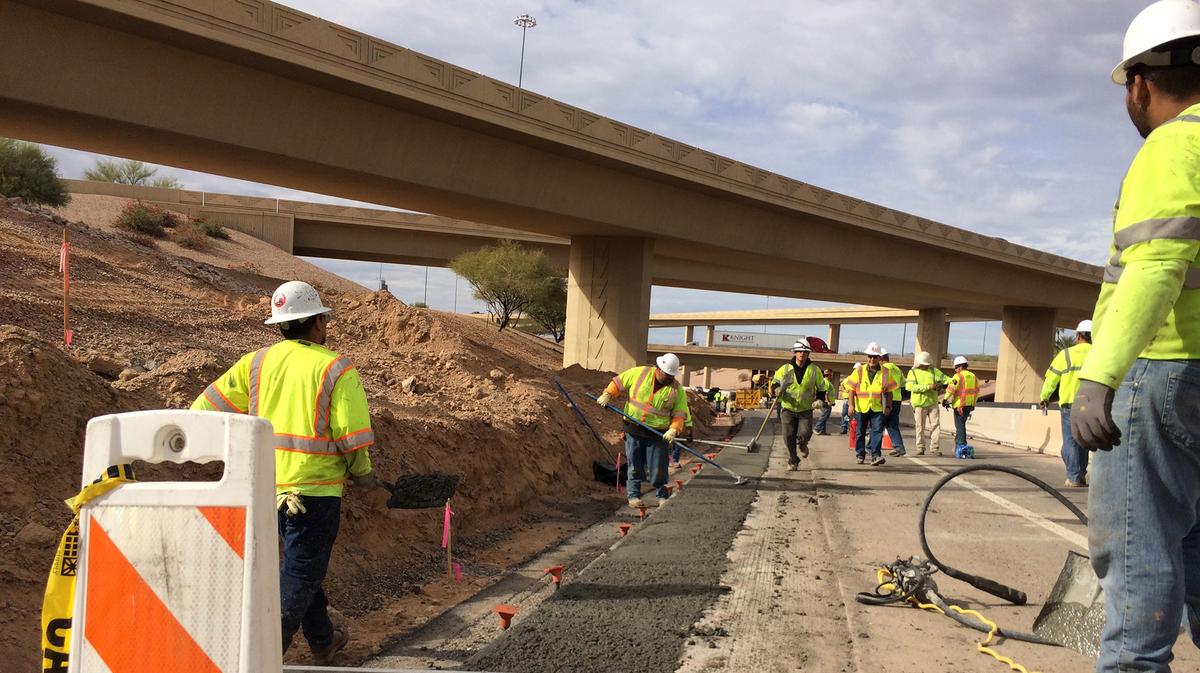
868 393
964 388
666 407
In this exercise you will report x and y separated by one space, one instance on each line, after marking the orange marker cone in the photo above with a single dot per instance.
641 511
887 440
668 487
555 573
710 456
695 469
506 612
624 528
678 484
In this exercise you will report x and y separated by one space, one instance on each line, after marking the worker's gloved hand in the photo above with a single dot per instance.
945 404
367 480
818 405
289 503
604 399
887 408
1092 424
669 436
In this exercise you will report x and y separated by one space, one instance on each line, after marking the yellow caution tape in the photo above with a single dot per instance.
58 605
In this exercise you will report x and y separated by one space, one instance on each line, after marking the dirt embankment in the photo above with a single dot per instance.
154 326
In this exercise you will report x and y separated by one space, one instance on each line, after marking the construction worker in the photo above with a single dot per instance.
961 393
719 401
659 401
924 382
893 418
798 383
1063 376
844 395
1138 400
826 387
871 396
316 403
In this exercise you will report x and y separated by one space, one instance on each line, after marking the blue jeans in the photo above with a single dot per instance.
1144 504
676 452
875 421
1075 458
893 427
823 419
845 416
961 416
642 451
307 542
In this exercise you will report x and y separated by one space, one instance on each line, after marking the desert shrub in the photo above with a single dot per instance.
145 219
212 229
28 172
190 234
139 238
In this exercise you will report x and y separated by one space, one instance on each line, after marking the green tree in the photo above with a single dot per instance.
129 172
549 309
506 276
28 172
1063 338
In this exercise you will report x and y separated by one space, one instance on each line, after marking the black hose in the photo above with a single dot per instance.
992 587
937 600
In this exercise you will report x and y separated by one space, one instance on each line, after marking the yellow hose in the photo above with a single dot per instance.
983 647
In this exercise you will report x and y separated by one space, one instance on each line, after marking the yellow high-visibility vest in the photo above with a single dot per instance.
665 408
1064 373
798 395
314 399
963 389
868 389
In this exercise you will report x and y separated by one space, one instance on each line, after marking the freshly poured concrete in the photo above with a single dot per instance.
634 608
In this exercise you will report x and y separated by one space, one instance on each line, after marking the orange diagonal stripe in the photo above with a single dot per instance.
230 523
126 622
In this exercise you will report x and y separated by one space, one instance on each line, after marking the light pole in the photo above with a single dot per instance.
525 22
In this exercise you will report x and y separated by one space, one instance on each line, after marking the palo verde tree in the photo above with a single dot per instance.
129 172
507 277
28 172
549 309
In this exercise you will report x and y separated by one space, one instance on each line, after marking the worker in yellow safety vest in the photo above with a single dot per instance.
924 382
1138 401
961 394
828 388
799 384
316 403
844 396
659 401
892 422
871 396
1063 376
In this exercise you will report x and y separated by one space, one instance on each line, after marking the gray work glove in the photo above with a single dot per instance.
366 481
1091 417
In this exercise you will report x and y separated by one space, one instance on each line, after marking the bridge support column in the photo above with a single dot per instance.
710 335
608 302
689 335
1026 348
932 333
835 337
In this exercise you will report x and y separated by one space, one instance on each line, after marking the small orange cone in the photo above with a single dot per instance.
710 456
668 487
887 440
624 528
678 484
695 469
641 511
506 613
555 573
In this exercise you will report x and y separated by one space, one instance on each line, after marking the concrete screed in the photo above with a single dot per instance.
762 577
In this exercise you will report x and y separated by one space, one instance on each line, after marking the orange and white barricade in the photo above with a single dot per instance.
179 577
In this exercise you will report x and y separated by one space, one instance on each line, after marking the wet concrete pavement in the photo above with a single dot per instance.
634 607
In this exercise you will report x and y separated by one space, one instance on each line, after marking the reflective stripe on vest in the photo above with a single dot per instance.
255 374
319 443
646 406
216 398
333 372
962 392
1070 367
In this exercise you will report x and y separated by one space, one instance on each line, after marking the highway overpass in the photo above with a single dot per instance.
259 91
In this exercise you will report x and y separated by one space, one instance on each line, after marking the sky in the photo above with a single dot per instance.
998 117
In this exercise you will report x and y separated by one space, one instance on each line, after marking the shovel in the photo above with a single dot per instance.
1074 613
752 447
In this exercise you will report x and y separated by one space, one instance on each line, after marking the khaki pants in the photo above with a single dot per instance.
929 426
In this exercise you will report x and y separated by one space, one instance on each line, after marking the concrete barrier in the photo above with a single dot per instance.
1017 426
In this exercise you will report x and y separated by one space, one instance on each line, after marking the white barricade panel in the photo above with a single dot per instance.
179 576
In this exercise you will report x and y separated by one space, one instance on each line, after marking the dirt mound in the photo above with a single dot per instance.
448 393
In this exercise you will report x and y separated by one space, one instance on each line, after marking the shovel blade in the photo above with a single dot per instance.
422 491
1074 613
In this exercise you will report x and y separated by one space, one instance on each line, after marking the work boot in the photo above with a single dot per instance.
662 501
920 452
935 452
860 460
1075 484
635 502
792 467
804 452
328 656
895 453
878 461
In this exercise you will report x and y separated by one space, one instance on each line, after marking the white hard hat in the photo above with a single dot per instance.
923 359
801 346
883 351
669 363
874 349
960 360
1164 21
1085 326
294 300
